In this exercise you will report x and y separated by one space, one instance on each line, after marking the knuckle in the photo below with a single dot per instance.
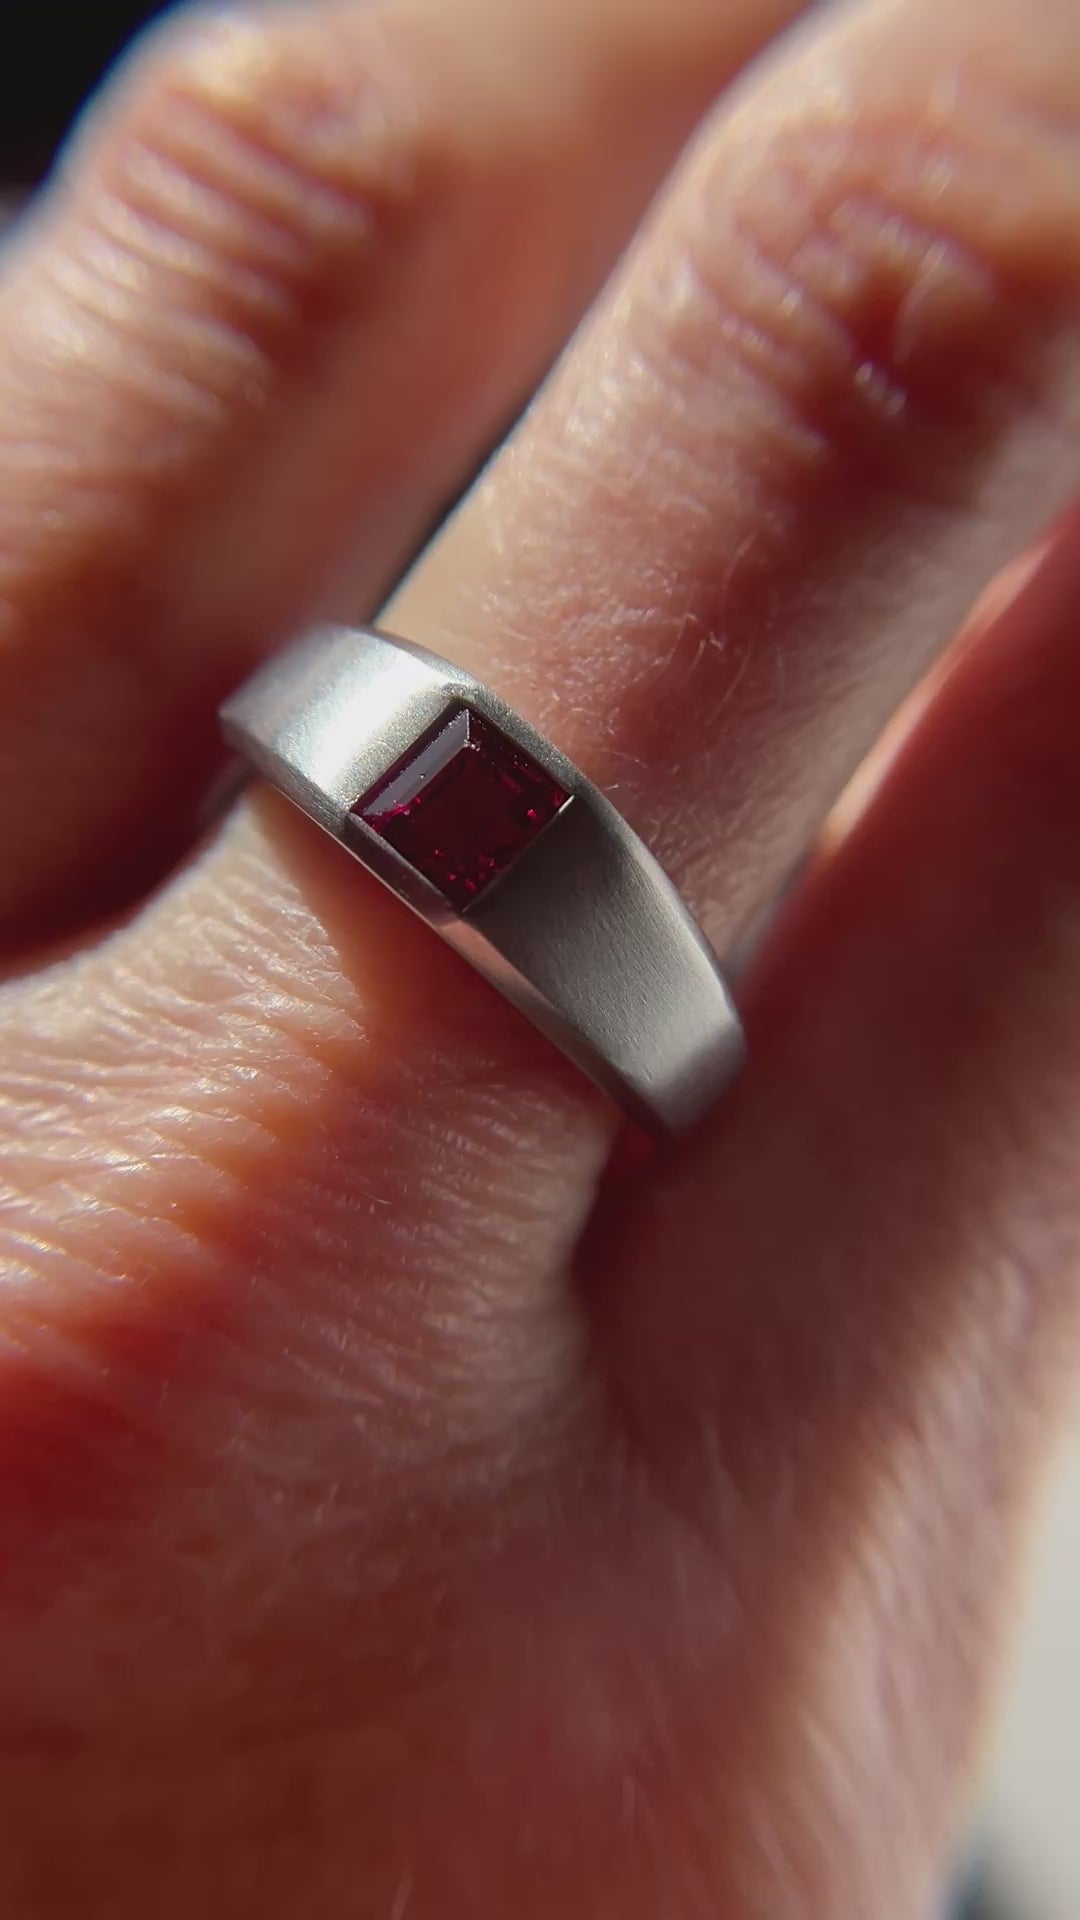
247 186
886 279
240 198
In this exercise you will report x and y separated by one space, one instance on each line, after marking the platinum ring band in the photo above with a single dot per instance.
496 839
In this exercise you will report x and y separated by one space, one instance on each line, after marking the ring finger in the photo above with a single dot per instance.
835 388
834 385
298 270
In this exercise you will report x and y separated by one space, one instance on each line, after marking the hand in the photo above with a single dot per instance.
417 1503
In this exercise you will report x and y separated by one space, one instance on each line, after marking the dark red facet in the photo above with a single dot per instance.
462 804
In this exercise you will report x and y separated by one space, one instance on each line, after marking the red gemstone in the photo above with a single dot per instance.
462 804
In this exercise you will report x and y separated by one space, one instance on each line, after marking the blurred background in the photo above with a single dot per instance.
1026 1858
52 57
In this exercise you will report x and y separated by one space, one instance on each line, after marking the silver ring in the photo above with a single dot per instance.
494 838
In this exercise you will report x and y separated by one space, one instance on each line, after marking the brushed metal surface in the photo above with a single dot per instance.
584 931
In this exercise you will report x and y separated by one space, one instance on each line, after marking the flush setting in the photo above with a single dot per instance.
461 804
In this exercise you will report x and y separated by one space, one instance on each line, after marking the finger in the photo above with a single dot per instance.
347 1159
870 1318
577 613
596 576
834 389
294 274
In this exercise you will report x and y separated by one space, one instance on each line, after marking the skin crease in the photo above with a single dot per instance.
417 1500
268 238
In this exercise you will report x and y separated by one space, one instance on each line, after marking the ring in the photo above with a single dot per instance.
494 838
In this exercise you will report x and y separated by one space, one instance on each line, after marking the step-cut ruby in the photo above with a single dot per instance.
461 804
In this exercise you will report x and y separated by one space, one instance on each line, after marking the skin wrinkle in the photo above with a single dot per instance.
309 257
898 241
140 243
213 358
455 1204
289 147
328 224
71 1483
543 1626
886 270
